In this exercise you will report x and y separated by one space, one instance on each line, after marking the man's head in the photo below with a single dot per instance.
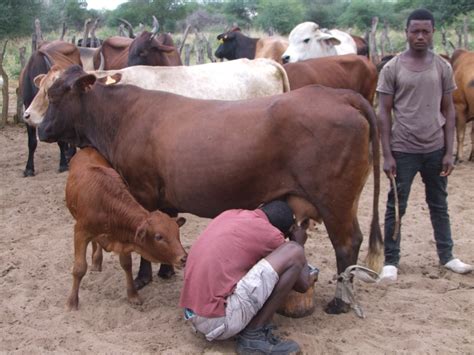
279 214
420 29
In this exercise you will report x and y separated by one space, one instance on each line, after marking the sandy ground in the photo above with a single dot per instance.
428 310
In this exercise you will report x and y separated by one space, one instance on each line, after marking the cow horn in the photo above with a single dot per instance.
156 27
129 26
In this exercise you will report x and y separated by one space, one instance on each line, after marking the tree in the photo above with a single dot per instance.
281 15
17 16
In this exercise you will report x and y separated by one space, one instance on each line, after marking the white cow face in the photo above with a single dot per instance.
308 41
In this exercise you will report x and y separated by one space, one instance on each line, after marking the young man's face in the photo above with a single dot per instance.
420 34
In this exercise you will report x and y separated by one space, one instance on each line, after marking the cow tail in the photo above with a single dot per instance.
374 257
284 76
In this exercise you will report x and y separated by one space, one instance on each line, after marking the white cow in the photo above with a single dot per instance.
232 80
307 41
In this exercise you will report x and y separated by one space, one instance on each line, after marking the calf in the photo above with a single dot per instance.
107 214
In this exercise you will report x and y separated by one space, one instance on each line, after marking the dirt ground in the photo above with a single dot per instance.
428 310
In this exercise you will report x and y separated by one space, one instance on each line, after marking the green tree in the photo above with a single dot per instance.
281 15
444 11
359 13
17 17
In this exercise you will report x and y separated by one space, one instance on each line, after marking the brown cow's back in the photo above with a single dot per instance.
348 71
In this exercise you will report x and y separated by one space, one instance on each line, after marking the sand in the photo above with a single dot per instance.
428 310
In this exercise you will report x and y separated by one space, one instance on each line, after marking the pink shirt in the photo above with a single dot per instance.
227 249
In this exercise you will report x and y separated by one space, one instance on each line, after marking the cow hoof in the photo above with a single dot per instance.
141 281
337 306
28 172
135 300
72 304
97 267
166 271
63 168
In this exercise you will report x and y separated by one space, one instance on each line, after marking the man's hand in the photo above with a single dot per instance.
448 165
390 166
298 234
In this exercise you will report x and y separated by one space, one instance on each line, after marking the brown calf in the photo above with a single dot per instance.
106 213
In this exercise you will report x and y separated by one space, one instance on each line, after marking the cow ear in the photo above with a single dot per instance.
328 39
37 80
140 234
84 83
180 221
332 41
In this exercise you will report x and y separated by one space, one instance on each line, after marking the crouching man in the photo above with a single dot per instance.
240 270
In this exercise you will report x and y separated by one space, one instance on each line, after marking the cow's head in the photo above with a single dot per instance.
308 41
146 49
228 42
157 239
65 108
34 114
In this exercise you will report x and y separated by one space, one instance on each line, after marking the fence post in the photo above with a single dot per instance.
187 53
466 33
374 57
4 75
19 98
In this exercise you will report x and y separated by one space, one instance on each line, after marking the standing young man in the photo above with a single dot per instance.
240 270
417 85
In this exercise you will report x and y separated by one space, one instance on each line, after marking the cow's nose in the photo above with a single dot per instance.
285 59
26 115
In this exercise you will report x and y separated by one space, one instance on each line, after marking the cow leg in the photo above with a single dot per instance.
132 294
461 110
32 144
471 157
63 161
144 276
97 257
346 239
80 267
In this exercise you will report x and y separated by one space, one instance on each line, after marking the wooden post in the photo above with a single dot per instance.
73 39
374 57
200 48
4 75
187 53
444 41
63 32
37 36
466 33
85 35
121 30
385 40
185 36
19 98
94 41
459 34
210 55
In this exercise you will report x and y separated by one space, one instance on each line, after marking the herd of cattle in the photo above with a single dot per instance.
162 137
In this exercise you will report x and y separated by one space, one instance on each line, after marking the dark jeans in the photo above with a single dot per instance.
429 165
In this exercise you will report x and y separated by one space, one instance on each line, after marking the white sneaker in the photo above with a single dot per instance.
458 266
389 273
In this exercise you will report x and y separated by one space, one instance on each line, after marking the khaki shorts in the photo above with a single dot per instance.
250 294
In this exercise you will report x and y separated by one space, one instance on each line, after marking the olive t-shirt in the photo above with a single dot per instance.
417 119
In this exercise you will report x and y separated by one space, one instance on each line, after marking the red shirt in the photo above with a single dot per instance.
227 249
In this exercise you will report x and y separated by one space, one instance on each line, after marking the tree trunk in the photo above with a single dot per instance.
374 57
4 75
94 41
37 36
19 99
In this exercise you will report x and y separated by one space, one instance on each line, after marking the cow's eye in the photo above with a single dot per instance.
306 40
158 238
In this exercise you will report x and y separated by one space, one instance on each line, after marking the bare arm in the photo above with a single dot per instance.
305 280
447 109
385 127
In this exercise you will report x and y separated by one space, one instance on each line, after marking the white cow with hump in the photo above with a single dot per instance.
232 80
307 41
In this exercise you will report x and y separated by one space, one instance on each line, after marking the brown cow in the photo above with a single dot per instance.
313 145
63 54
348 71
106 213
362 45
463 96
113 52
235 45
